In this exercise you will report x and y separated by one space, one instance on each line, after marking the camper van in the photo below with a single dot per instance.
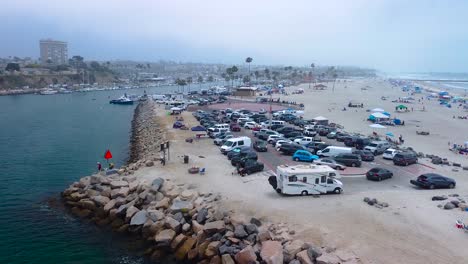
332 151
235 142
269 123
306 179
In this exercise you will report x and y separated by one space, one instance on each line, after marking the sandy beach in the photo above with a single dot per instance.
436 119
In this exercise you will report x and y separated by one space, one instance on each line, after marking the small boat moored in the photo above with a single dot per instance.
122 100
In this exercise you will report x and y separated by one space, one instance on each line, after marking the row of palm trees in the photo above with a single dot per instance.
189 80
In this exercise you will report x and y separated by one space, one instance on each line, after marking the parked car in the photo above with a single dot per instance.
271 138
276 127
250 167
248 154
235 128
405 158
260 146
316 146
434 180
378 147
266 134
286 129
378 174
366 155
280 142
331 163
250 125
389 153
361 142
303 140
351 160
235 151
221 139
304 155
350 141
331 135
340 136
292 134
290 149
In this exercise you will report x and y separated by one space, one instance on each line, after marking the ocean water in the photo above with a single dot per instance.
448 78
47 143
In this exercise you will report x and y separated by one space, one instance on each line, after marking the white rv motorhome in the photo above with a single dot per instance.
306 179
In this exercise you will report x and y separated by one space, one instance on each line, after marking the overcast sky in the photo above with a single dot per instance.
389 35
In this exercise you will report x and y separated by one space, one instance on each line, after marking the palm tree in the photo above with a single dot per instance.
249 60
334 80
313 73
200 80
189 81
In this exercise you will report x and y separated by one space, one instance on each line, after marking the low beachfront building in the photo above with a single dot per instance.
245 91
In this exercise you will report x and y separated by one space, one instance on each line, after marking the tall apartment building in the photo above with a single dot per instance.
53 52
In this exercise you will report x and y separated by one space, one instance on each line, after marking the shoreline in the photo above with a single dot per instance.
177 220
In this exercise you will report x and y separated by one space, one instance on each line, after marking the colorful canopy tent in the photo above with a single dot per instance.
387 113
320 120
377 126
401 107
377 110
375 117
390 134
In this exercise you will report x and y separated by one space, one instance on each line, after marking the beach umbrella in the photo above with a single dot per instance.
386 113
377 126
390 134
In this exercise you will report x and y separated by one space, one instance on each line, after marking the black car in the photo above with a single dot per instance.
366 155
351 160
433 180
361 143
243 155
350 141
250 167
276 127
260 146
292 134
237 150
405 158
316 146
286 129
378 174
289 149
340 136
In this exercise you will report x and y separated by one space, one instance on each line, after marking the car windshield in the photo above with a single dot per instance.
228 143
372 145
388 151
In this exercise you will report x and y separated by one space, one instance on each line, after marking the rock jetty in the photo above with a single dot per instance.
178 221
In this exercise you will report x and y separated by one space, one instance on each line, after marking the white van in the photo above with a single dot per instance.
221 126
306 179
304 141
332 151
235 142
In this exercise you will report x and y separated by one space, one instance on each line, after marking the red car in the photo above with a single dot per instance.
235 128
257 128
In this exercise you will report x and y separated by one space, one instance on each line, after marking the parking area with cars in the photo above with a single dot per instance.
269 141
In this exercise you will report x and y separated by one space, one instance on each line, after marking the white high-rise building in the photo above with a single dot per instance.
53 52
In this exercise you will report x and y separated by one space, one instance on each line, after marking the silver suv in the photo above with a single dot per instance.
378 147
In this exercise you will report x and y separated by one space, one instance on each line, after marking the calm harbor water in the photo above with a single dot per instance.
46 143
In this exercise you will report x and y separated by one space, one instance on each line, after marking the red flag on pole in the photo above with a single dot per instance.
108 155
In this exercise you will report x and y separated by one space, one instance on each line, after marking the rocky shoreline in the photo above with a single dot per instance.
179 222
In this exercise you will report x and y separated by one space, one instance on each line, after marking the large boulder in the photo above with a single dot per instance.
239 231
156 184
202 215
118 184
100 200
246 256
449 206
188 195
212 249
165 237
87 204
264 236
181 206
149 163
304 258
251 229
227 259
178 240
292 248
272 252
314 252
110 205
328 258
155 215
255 221
214 227
172 224
139 218
185 248
131 211
164 203
196 227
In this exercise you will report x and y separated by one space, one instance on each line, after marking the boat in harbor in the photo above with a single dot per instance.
48 92
122 100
